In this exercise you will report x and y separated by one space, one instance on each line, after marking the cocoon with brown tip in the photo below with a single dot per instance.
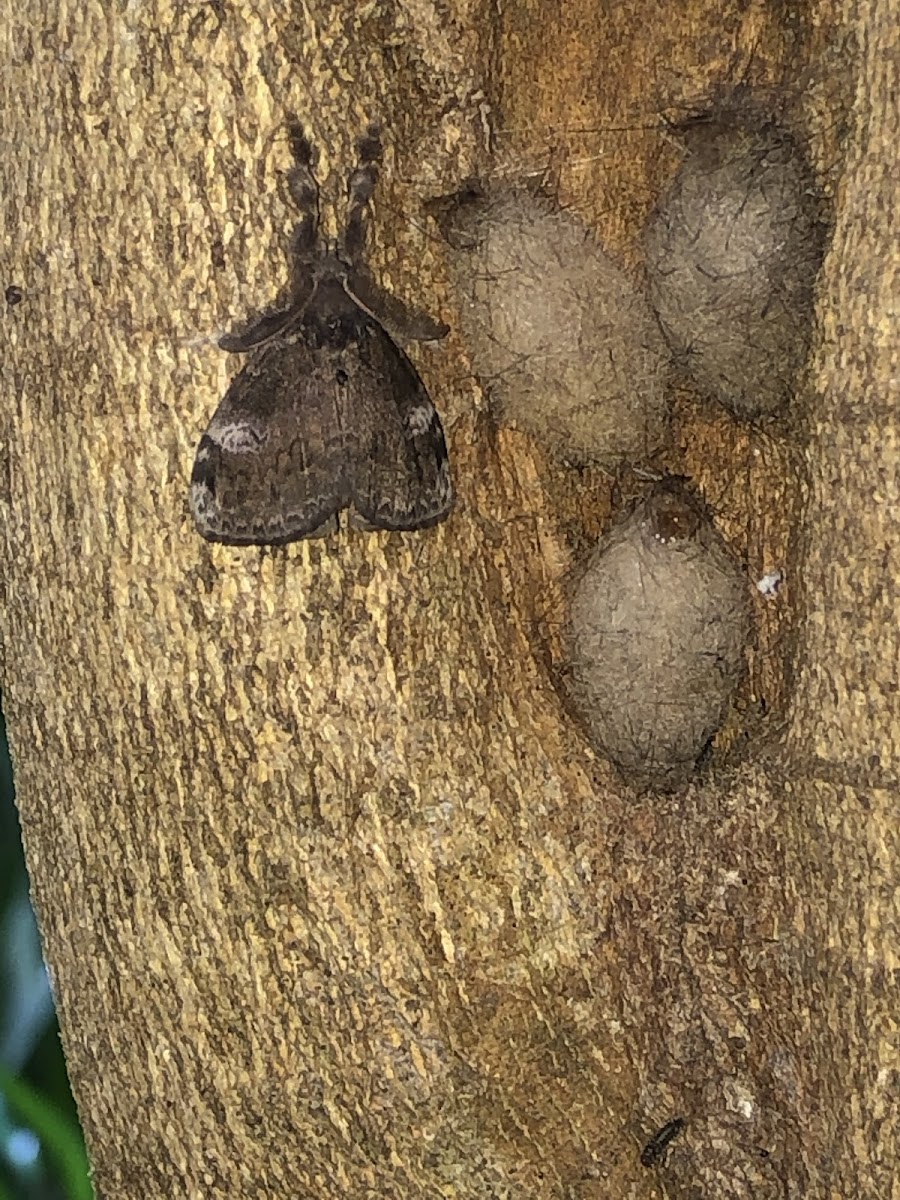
566 346
732 253
658 623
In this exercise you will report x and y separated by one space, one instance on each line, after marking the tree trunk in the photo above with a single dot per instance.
336 899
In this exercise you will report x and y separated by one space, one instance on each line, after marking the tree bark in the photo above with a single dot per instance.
336 899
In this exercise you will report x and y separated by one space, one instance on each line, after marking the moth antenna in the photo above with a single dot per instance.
303 189
360 188
369 146
301 146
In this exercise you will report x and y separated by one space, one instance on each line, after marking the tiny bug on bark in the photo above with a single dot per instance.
656 1148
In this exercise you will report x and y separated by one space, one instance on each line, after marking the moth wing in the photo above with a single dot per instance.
399 319
400 473
266 328
271 325
271 466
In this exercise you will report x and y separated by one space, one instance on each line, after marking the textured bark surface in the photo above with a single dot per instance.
337 901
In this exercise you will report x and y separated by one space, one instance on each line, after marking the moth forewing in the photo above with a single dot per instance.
254 481
400 477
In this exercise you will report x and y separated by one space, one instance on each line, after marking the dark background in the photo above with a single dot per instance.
41 1148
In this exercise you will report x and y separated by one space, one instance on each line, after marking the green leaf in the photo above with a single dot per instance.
60 1137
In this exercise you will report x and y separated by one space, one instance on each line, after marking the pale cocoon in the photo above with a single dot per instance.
565 344
658 623
732 252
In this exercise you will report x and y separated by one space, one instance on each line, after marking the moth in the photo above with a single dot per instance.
328 412
658 1144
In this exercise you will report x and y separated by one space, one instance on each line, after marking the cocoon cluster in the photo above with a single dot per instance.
659 619
732 253
569 350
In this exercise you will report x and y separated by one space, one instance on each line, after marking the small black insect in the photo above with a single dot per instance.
658 1144
328 412
14 295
